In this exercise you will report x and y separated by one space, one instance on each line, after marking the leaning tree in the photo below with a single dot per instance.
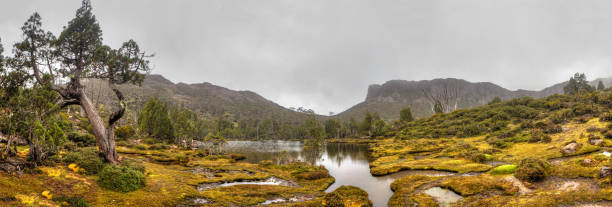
77 54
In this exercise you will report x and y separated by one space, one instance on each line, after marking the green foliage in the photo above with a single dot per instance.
577 84
532 170
121 178
125 132
153 120
406 115
495 100
214 142
66 201
332 128
87 159
366 124
82 139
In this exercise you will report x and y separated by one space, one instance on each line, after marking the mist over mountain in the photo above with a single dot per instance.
389 98
386 99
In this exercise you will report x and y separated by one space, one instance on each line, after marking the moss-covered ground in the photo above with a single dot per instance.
572 178
172 178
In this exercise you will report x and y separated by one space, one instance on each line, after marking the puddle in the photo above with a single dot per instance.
283 200
495 163
444 197
568 184
269 181
193 202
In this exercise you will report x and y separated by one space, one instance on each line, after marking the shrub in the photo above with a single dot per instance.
70 201
593 129
82 139
121 178
532 170
87 159
477 157
607 116
553 129
540 137
124 132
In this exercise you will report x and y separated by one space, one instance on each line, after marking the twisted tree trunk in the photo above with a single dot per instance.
105 134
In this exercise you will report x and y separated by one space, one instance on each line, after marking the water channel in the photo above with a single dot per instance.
347 163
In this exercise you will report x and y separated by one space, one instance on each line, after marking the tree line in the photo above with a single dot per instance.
178 124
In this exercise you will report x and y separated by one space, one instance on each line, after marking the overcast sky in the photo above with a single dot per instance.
323 54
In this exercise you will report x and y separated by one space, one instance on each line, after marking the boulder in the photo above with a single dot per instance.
605 171
570 148
518 184
12 164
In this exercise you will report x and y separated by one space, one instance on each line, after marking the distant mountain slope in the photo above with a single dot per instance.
207 98
389 98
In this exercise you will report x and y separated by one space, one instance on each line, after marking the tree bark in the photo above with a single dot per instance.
104 136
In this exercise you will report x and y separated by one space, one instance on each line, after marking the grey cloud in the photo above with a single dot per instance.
322 54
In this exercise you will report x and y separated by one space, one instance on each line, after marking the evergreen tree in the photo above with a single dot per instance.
577 84
379 127
366 124
495 100
183 124
600 86
78 53
153 120
406 115
332 128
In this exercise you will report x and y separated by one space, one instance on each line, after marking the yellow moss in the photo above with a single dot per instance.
460 166
472 185
404 191
47 194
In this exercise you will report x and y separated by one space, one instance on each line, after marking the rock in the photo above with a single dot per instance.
605 172
20 141
570 148
587 162
518 184
12 164
597 142
569 186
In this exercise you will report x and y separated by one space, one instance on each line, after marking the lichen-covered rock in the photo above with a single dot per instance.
596 141
569 148
605 172
12 164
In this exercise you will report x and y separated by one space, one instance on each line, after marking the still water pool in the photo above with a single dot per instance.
348 163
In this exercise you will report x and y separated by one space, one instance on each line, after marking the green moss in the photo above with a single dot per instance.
504 169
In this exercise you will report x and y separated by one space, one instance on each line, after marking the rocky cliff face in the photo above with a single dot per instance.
389 98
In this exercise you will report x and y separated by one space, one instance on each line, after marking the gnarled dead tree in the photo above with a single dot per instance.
443 98
77 54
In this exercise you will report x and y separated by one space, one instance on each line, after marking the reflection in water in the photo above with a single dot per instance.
442 196
347 163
